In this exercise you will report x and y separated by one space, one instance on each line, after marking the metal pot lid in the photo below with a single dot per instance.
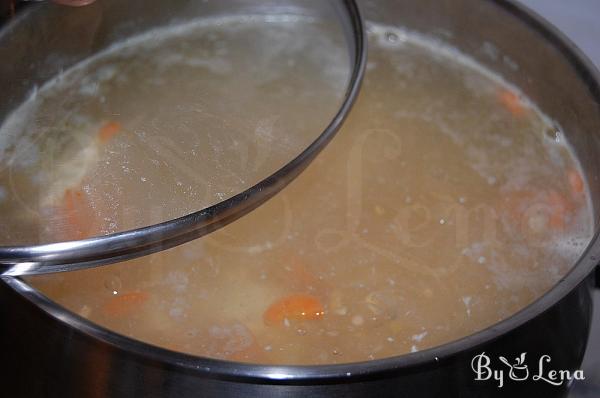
132 127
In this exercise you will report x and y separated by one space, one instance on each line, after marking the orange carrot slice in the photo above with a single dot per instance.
125 304
294 307
77 214
560 210
511 102
108 131
575 181
519 203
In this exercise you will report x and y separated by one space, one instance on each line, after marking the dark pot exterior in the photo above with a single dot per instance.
50 352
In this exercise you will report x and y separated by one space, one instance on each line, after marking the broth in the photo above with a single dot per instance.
446 203
178 118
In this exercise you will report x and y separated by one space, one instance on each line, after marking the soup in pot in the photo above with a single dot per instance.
446 203
177 119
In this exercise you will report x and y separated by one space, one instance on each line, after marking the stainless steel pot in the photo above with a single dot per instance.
48 351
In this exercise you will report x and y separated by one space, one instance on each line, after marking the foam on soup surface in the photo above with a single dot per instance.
445 204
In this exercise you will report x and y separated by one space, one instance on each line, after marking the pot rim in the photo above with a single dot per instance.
338 373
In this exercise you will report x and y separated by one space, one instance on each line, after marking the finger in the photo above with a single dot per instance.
74 3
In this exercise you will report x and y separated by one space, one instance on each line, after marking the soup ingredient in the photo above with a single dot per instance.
539 210
73 216
109 130
512 102
76 212
78 156
577 184
294 307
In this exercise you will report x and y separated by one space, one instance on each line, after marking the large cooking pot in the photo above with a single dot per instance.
48 351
